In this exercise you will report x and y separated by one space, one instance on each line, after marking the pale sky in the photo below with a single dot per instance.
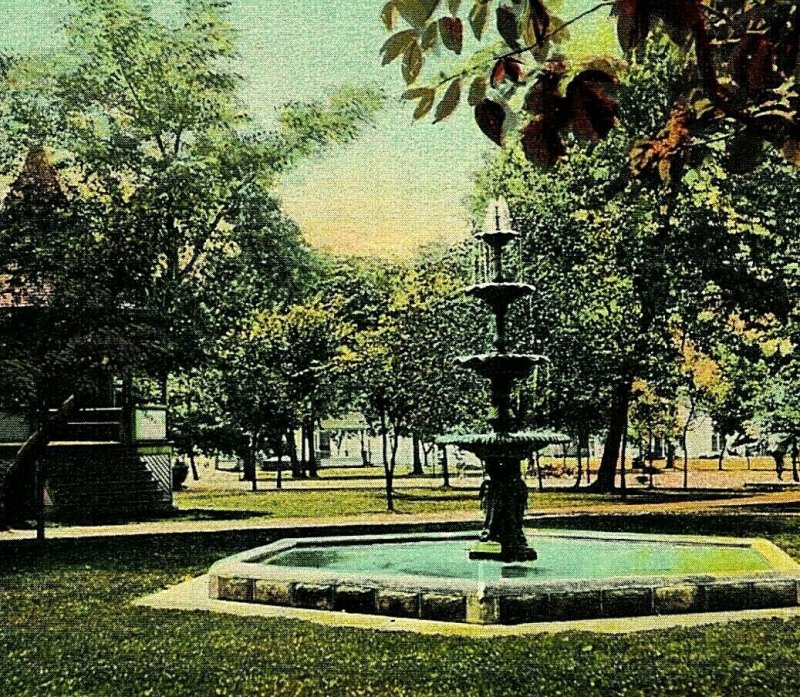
398 186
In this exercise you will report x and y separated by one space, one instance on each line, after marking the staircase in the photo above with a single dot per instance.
103 481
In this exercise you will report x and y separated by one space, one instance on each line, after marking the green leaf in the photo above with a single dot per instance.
397 44
425 103
479 18
477 90
507 25
412 62
415 93
389 15
452 32
429 37
454 5
416 12
449 102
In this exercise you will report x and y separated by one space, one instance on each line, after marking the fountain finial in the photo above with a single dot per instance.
498 216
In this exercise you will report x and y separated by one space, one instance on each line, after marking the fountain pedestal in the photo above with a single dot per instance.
505 499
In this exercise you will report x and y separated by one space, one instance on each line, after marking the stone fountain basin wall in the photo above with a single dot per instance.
243 578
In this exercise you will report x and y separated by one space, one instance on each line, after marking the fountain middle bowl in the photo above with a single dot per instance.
514 366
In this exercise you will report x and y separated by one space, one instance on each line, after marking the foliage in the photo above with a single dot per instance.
622 268
740 79
406 365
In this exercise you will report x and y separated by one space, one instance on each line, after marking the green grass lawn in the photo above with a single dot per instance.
299 503
67 628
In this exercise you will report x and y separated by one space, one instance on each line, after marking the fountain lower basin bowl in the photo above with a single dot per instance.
506 445
579 575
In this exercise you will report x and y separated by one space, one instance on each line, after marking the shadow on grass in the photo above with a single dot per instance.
436 496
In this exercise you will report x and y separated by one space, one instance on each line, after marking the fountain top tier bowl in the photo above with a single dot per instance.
500 295
579 575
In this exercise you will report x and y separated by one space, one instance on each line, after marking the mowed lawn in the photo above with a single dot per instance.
67 627
301 503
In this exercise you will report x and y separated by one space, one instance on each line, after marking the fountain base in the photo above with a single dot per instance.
494 551
579 575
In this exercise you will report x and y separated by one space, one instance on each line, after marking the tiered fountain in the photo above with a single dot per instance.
580 575
505 494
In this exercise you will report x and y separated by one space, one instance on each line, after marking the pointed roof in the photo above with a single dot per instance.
37 181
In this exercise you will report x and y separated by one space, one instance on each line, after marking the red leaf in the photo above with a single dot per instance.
544 97
542 142
452 32
633 22
592 113
515 69
498 73
490 117
508 67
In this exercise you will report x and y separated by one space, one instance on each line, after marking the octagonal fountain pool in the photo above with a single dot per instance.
578 575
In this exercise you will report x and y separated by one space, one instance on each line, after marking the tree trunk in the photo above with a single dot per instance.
312 451
279 473
384 440
623 485
580 463
445 469
670 464
291 445
685 459
192 462
795 475
251 471
539 471
723 444
416 461
390 474
778 455
388 467
303 443
618 423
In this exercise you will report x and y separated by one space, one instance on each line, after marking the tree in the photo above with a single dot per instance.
273 375
407 381
164 167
